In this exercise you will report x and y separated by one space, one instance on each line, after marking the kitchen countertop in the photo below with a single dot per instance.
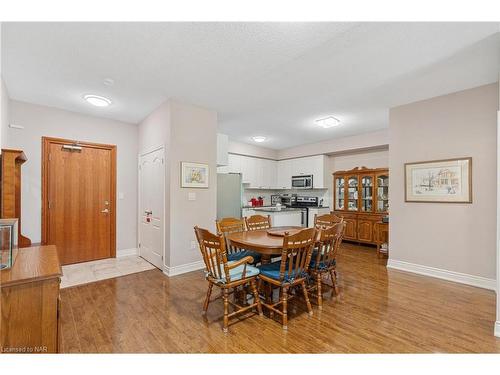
283 209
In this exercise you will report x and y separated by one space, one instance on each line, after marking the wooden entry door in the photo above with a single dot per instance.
78 199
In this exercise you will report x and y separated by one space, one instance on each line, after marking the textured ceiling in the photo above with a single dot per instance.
269 79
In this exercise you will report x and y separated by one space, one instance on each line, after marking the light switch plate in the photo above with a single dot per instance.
121 195
193 244
191 196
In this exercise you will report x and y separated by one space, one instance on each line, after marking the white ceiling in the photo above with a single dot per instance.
271 79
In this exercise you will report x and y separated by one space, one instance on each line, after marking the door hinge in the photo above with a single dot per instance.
139 244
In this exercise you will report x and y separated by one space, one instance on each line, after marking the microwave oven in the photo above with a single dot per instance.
302 182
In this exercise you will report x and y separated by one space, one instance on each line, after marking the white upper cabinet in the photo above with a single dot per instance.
284 174
270 174
312 165
222 148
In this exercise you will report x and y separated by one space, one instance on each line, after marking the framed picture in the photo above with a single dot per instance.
445 181
194 175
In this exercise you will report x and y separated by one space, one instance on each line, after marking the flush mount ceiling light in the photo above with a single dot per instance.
328 122
259 139
98 101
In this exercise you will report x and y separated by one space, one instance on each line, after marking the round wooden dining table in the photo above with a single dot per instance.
267 242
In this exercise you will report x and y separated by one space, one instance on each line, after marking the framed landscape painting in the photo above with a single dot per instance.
194 175
446 181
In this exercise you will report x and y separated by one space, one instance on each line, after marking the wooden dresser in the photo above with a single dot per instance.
29 305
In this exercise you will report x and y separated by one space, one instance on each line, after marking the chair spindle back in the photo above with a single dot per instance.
326 220
229 225
257 222
296 254
213 251
329 239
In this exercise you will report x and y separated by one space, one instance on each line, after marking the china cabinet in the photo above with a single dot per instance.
361 197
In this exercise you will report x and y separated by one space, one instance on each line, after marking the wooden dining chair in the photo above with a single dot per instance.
230 225
324 259
256 222
290 271
227 275
326 220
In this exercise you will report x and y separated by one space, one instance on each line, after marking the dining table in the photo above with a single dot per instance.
266 242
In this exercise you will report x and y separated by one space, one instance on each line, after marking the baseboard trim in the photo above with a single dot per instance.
184 268
497 328
126 252
462 278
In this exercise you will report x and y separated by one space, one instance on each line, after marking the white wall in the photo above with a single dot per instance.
41 121
4 115
189 133
453 237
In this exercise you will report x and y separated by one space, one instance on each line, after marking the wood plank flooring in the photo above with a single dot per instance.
378 311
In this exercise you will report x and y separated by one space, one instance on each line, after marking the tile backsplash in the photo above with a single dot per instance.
266 194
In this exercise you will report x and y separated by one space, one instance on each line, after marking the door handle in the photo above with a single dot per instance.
148 212
105 211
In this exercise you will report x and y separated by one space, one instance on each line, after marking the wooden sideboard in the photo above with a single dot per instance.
10 189
361 197
30 301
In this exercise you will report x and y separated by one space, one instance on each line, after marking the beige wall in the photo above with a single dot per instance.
41 121
252 150
453 237
359 142
194 139
189 133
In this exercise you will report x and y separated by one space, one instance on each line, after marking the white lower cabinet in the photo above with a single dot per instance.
316 211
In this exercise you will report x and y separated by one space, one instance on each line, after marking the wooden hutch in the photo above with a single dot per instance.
361 197
10 189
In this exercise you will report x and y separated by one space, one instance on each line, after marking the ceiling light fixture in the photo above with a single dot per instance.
259 139
98 101
328 122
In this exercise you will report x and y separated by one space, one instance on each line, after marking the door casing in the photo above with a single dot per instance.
46 142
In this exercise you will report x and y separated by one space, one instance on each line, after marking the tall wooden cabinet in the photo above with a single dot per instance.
361 197
10 189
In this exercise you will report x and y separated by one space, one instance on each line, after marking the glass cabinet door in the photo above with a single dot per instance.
339 193
352 193
367 193
382 193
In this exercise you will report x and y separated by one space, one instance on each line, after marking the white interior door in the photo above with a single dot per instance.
151 206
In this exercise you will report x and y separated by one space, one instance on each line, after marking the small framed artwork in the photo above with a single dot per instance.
194 175
445 181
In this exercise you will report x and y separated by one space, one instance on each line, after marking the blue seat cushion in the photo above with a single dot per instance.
237 272
244 253
323 265
272 270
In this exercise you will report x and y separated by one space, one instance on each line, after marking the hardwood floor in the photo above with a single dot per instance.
378 310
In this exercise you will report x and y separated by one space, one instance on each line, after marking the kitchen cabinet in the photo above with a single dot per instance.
260 173
311 165
284 174
222 148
